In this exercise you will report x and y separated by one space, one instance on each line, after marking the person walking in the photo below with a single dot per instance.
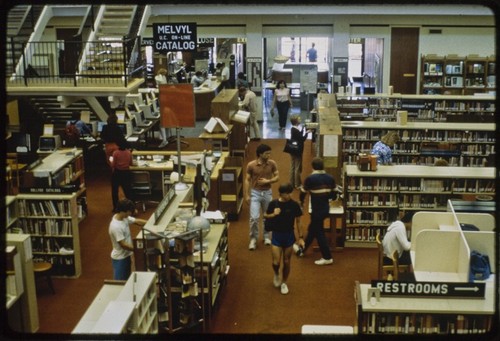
299 134
121 174
282 101
321 188
119 232
249 103
285 214
312 54
161 78
261 173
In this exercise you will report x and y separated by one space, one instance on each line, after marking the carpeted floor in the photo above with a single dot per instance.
249 303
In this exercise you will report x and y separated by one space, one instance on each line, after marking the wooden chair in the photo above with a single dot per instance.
143 188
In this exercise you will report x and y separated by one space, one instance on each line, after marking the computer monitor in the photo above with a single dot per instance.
123 127
49 143
100 125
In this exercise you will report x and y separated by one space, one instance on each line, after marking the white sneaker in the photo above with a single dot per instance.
253 244
284 288
323 261
276 281
163 144
267 241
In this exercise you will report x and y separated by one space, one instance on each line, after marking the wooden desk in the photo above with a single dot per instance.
218 139
203 96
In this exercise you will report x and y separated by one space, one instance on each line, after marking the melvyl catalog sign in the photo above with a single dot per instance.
174 37
430 289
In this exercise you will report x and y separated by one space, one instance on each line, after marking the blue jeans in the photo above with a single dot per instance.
122 268
259 200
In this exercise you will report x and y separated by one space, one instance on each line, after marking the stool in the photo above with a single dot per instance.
44 269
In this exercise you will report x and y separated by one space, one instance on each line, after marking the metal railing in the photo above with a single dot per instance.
107 63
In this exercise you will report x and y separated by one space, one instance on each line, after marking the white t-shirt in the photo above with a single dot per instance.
396 238
120 230
282 94
225 73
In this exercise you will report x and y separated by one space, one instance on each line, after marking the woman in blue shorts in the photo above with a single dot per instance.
282 217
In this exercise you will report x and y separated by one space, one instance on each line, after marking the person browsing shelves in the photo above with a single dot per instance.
396 238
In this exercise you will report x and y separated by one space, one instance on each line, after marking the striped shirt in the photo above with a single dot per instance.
321 187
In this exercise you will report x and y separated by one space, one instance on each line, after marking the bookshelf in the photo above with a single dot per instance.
123 307
23 314
375 199
60 172
461 144
457 75
423 316
52 223
10 213
426 107
231 186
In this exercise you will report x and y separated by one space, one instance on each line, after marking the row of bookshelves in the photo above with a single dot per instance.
419 185
47 227
62 265
51 245
387 323
46 208
462 161
419 135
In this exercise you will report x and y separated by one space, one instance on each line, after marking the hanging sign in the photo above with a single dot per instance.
174 37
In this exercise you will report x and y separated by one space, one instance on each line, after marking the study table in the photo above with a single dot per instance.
217 139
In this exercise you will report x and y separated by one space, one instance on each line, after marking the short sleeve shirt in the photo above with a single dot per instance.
284 222
120 230
257 170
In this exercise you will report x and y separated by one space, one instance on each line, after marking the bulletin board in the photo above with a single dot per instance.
254 73
308 78
177 107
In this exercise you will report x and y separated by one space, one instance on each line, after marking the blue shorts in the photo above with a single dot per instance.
283 239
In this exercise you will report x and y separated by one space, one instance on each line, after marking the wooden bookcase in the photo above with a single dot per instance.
231 179
427 108
374 199
461 144
424 316
52 222
225 104
457 75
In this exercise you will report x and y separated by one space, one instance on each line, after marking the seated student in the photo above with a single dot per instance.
396 238
82 127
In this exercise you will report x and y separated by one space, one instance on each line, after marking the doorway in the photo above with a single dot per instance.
68 53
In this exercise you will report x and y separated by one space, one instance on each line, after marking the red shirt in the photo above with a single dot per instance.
122 159
257 170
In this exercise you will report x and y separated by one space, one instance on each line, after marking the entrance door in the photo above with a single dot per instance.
69 53
404 59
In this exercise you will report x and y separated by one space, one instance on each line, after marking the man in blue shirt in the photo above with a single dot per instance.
82 127
312 54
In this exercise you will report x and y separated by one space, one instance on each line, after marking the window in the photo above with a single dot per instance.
296 48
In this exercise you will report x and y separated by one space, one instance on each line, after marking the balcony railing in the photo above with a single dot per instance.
107 63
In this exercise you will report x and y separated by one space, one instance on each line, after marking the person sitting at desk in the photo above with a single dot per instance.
396 238
383 148
197 79
76 119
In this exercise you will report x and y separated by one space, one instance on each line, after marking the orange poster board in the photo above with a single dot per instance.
177 105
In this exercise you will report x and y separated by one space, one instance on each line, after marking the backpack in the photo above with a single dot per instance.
479 266
71 135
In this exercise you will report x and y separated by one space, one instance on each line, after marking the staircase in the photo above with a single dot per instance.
105 54
21 21
52 112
